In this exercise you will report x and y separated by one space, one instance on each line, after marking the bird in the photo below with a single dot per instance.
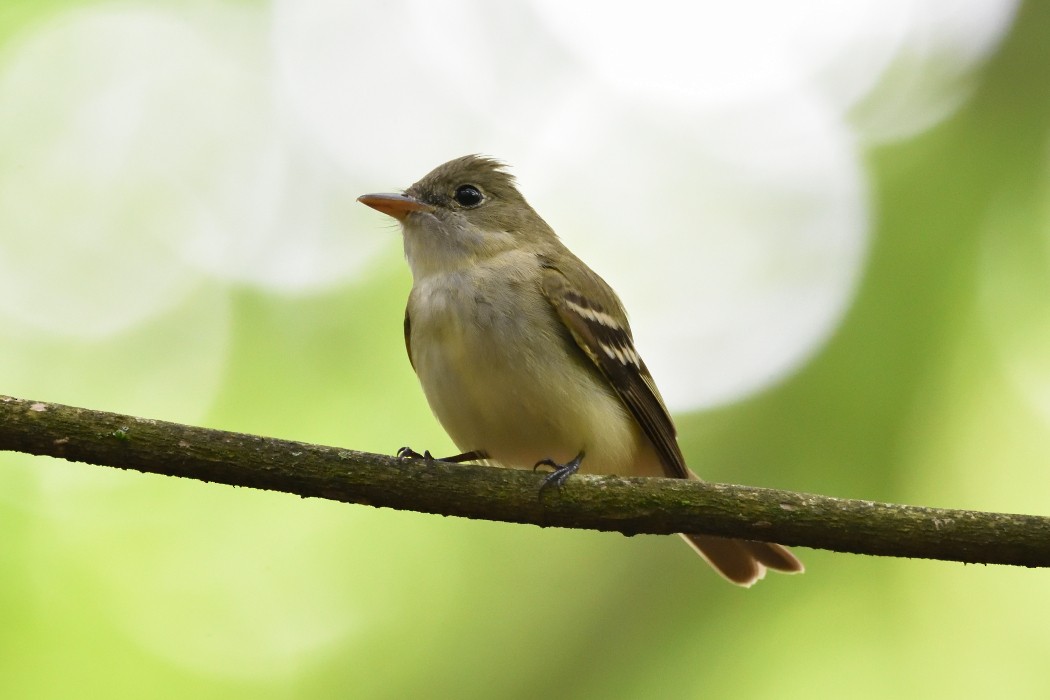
525 354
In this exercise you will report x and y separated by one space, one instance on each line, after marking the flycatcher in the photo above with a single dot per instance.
525 354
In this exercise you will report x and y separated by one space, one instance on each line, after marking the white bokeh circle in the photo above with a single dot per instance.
731 52
392 90
85 198
157 153
933 71
914 57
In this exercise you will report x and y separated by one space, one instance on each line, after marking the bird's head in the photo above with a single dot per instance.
462 212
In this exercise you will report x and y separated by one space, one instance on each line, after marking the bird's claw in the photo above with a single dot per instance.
560 473
408 453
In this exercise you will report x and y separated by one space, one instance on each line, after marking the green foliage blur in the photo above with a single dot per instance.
935 390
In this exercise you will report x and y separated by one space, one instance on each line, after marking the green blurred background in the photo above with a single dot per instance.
933 389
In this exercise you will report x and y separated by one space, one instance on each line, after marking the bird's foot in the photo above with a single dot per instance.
561 472
473 455
408 453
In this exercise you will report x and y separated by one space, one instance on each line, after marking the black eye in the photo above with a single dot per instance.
468 196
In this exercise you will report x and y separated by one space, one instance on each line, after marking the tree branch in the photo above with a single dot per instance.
627 505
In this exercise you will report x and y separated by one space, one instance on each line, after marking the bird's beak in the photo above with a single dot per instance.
396 205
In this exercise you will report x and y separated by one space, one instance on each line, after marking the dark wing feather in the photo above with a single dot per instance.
603 334
408 339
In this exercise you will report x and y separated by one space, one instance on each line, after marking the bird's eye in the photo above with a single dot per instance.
468 196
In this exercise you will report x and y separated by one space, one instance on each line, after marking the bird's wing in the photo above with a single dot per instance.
603 334
408 338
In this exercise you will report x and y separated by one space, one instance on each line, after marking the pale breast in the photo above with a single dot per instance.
502 375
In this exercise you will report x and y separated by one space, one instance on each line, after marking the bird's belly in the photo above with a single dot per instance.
520 406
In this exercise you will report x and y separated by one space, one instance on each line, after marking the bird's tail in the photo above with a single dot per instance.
743 562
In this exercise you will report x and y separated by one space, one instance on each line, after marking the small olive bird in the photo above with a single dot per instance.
525 354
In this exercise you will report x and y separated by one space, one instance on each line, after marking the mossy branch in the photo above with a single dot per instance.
627 505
